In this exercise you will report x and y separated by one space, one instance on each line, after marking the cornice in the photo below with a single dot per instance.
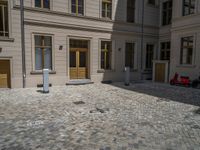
84 28
57 13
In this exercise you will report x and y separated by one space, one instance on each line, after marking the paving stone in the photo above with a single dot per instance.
144 116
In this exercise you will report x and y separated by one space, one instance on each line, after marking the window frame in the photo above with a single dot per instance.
130 8
167 10
42 5
152 4
153 54
183 47
189 7
77 9
34 48
165 50
111 55
106 9
8 20
134 54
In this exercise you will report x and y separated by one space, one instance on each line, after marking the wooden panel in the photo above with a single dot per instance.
5 74
82 73
160 72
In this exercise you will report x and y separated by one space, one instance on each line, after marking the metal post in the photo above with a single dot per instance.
23 43
142 38
127 76
45 80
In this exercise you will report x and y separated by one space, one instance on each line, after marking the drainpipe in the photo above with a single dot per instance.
142 38
23 43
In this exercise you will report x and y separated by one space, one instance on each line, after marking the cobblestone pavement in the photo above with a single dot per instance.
143 116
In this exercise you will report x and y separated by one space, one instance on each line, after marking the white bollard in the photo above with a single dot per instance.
127 76
45 80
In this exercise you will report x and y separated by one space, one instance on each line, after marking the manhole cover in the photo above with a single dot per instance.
79 103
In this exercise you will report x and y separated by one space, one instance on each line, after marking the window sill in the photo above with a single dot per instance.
40 72
131 70
104 71
186 66
152 5
7 39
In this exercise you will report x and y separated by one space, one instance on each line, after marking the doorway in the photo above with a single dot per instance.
5 81
79 59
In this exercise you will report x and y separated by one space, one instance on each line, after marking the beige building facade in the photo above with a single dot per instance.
96 39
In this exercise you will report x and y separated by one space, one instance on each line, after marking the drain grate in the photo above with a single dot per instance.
79 103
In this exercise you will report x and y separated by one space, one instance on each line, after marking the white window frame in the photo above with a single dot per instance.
112 10
70 8
33 51
135 54
9 21
51 5
194 35
112 55
145 53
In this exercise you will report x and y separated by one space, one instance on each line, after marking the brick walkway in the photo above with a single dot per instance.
101 117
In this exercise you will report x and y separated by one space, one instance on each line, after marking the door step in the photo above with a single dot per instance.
79 82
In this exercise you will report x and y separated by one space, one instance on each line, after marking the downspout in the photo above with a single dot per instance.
142 39
23 43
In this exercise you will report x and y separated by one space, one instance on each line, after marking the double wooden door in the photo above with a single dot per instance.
78 63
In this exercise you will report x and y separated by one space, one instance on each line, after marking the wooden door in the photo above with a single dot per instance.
5 81
160 72
78 63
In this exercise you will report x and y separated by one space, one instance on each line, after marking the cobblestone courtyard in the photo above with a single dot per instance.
143 116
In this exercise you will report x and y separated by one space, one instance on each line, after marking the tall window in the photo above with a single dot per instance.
42 4
188 7
107 9
167 12
130 10
149 56
152 2
43 52
77 7
106 54
165 51
4 19
187 50
129 55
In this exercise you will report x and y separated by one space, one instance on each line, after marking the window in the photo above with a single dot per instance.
186 50
106 54
129 55
4 19
152 2
43 52
165 51
107 9
77 7
130 10
42 4
188 7
167 12
149 56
